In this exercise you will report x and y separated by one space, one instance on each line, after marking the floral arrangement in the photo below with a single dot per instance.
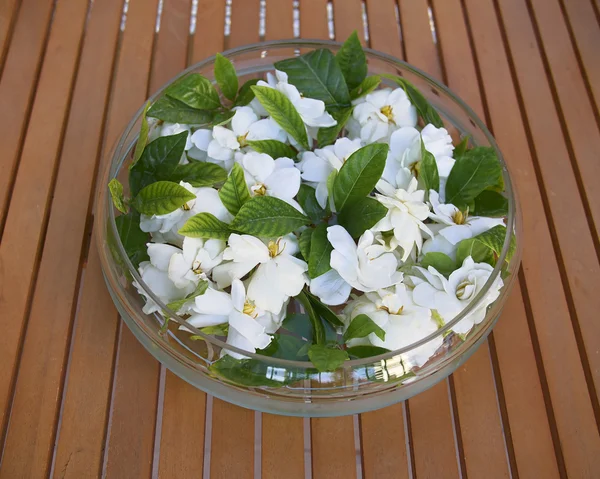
321 184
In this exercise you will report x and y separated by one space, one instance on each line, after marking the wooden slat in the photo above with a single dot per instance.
282 447
313 19
383 27
8 12
19 79
566 381
279 20
232 442
244 23
210 34
19 250
347 17
333 451
383 444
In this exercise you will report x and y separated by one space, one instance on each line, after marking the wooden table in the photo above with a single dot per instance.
79 397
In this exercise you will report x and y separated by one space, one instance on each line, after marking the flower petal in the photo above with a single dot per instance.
331 288
213 302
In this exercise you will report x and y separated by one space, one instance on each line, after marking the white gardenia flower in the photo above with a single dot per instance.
455 226
268 177
406 212
317 166
245 126
195 261
381 112
366 266
246 322
403 321
155 274
278 277
207 201
450 296
311 111
330 288
169 129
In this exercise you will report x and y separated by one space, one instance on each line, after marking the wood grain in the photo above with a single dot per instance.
244 23
347 17
8 13
282 447
313 19
333 451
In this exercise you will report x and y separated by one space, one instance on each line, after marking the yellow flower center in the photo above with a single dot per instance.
387 112
250 309
387 310
260 189
415 169
185 207
196 267
462 287
273 247
242 140
459 217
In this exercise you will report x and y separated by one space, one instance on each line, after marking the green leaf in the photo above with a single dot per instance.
298 324
226 77
196 91
199 173
283 112
325 358
318 331
325 312
133 238
352 61
246 95
361 216
275 149
428 170
317 75
462 147
361 326
443 263
320 252
234 192
143 136
284 346
246 372
424 108
308 200
216 330
222 118
116 192
201 288
330 182
205 225
174 111
159 159
485 247
472 173
268 217
359 174
327 136
367 86
161 198
490 203
366 351
304 243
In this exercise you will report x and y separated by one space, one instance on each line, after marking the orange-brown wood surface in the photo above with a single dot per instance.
80 397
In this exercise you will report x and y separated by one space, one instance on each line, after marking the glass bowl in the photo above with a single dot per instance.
283 386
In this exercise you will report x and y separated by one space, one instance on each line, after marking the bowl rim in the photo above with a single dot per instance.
114 164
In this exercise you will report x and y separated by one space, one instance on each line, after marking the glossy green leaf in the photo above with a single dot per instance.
352 61
284 346
246 372
226 76
366 351
275 149
428 170
116 192
325 312
173 111
330 182
132 237
304 243
462 147
328 136
222 118
143 136
308 201
246 95
216 330
474 171
361 326
490 203
201 288
424 108
320 252
161 198
485 247
205 225
441 262
196 91
283 112
368 85
326 358
159 159
298 324
359 174
234 192
361 216
318 330
317 75
268 217
199 173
